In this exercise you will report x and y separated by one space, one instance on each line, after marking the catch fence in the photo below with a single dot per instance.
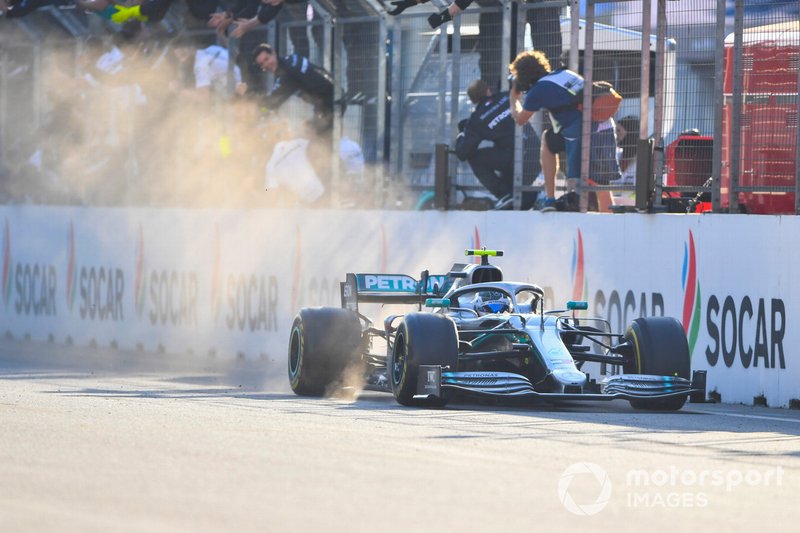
708 120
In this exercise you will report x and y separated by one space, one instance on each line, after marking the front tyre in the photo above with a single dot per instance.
660 348
421 339
323 344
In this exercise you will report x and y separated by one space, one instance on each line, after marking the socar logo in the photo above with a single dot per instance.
579 283
691 293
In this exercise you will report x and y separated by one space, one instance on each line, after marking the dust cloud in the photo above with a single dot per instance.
122 124
139 134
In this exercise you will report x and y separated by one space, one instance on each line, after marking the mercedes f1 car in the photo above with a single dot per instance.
481 335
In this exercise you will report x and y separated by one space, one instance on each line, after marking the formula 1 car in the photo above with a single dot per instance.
487 337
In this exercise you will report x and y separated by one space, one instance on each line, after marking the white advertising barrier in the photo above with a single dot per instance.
231 281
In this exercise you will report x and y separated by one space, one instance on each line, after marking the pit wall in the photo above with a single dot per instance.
230 282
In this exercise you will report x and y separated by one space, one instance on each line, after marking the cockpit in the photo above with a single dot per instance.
496 300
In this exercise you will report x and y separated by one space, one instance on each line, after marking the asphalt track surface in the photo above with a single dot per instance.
112 441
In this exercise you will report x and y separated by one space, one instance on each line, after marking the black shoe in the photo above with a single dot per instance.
505 203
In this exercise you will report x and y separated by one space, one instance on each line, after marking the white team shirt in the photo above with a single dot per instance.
211 68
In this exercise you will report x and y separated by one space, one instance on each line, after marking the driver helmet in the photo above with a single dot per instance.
491 302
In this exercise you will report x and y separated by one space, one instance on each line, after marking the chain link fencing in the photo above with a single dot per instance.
708 120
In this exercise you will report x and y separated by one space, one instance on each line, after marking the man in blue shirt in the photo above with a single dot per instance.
537 87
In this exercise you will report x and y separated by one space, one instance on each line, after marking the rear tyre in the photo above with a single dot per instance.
324 342
660 348
421 339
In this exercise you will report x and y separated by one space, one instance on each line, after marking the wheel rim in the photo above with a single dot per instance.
295 352
399 360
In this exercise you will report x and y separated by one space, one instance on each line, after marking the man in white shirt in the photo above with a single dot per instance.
211 70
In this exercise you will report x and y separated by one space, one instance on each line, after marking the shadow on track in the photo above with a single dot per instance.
192 377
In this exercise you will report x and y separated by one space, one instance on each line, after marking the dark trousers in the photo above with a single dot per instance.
494 168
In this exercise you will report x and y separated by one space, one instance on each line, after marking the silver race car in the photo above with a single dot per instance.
481 335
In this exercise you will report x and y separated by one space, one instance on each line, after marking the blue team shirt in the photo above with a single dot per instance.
555 90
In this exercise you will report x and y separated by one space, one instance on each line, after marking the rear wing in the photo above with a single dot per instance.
391 289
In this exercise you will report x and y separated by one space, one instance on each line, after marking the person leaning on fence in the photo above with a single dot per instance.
296 75
490 121
535 87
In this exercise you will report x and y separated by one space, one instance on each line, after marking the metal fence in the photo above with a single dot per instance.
360 62
347 38
708 119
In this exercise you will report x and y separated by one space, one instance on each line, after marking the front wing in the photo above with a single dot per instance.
433 381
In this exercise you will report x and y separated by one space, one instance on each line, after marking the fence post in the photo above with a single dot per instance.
574 35
327 33
735 142
281 41
658 119
272 39
506 44
233 54
586 127
441 176
574 65
719 93
644 178
38 93
797 147
518 137
443 129
336 138
455 82
382 95
396 117
455 87
3 104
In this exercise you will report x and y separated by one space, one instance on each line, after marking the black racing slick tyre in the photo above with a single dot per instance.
660 348
324 342
421 339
